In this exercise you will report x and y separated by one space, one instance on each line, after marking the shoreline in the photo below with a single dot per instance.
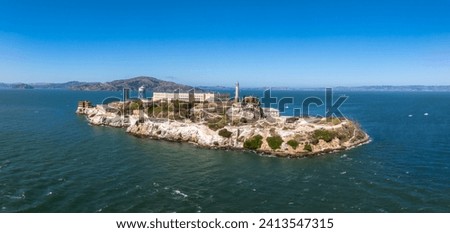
275 136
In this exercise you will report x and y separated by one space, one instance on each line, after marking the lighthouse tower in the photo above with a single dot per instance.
236 93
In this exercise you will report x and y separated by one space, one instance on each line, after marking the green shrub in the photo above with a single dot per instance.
342 136
155 111
314 141
217 123
335 121
134 106
323 134
214 126
225 133
307 147
274 142
293 144
253 143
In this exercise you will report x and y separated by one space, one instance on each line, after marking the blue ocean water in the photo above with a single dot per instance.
51 160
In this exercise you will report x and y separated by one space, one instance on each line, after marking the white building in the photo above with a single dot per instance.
185 96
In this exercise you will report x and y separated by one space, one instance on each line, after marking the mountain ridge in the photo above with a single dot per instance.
154 84
150 83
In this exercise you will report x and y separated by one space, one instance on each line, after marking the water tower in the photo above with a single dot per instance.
141 92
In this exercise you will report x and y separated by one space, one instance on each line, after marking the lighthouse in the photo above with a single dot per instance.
236 93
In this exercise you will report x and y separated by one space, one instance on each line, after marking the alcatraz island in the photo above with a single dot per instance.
214 120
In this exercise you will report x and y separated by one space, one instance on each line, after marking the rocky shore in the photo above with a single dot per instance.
280 136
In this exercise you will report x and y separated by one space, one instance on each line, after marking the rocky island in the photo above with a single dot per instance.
240 123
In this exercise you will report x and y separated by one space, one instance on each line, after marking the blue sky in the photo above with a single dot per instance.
258 43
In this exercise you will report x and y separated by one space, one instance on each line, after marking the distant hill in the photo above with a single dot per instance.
22 86
154 84
15 86
150 83
418 88
67 85
395 88
4 85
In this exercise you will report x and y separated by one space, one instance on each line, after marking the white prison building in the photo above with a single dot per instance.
184 96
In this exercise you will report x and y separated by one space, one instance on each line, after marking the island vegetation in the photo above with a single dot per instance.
228 124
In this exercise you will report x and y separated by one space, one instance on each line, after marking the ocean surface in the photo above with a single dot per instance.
51 160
